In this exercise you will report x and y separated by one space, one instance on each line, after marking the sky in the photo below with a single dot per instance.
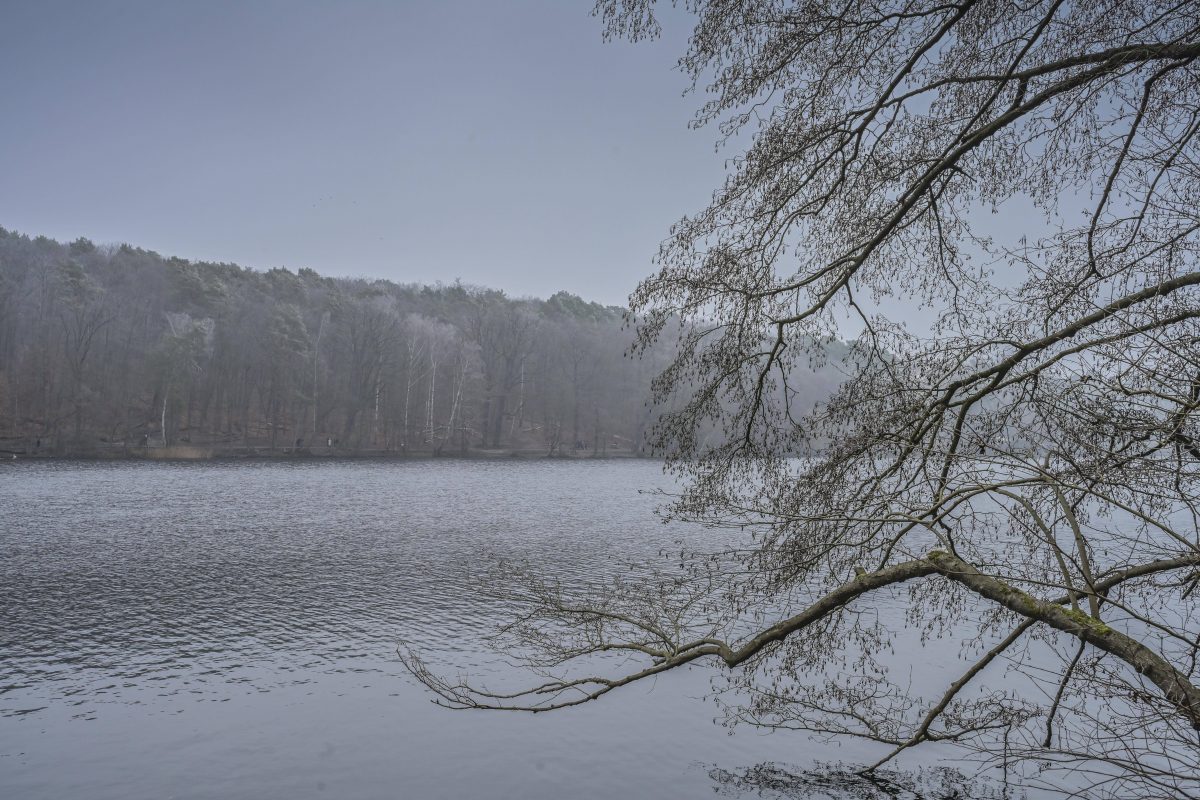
500 143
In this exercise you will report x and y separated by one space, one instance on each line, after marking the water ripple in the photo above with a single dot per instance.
163 624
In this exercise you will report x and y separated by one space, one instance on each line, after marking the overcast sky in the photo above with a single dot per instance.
502 143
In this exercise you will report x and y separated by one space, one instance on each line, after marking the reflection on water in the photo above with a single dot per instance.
839 782
229 630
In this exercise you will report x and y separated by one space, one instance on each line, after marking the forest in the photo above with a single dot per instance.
116 350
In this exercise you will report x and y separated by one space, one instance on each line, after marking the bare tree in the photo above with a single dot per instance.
82 316
185 348
1022 475
504 333
370 330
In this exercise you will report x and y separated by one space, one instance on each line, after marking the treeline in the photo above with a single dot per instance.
110 349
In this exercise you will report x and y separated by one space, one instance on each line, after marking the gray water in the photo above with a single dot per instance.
229 630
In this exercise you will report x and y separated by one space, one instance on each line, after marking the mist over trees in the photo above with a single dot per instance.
113 349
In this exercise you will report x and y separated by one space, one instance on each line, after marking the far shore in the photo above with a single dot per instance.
188 452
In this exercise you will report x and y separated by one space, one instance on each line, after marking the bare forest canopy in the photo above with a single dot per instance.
116 350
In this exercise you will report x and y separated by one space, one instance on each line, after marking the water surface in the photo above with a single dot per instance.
230 629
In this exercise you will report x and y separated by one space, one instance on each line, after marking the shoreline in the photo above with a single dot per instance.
188 453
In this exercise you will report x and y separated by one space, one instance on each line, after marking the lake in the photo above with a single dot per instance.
199 630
